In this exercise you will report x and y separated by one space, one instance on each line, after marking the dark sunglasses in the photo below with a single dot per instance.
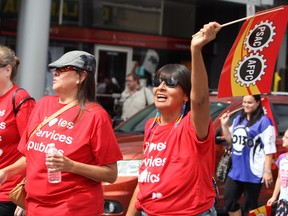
66 69
3 65
170 82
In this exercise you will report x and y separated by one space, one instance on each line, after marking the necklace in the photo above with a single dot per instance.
157 119
158 126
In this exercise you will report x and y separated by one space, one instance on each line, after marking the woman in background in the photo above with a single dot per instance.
252 137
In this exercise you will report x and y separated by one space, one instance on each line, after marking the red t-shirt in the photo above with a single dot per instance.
11 128
89 139
175 177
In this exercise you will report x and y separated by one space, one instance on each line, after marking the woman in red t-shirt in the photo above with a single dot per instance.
87 150
175 177
15 108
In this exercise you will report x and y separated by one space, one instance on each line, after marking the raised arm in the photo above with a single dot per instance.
225 127
200 108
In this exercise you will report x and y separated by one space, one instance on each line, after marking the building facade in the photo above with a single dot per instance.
124 35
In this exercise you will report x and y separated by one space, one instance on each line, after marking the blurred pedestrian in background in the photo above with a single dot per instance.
175 177
87 150
15 107
252 136
134 98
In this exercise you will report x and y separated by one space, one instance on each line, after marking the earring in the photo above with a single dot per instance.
182 114
77 82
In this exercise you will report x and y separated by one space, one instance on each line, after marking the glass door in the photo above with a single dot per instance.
113 64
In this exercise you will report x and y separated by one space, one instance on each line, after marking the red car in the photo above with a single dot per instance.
130 137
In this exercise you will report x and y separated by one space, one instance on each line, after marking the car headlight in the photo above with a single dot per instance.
128 167
111 207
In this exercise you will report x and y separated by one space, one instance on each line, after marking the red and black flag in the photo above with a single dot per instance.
249 66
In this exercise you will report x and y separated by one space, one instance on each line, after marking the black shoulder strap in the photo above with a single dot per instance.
16 108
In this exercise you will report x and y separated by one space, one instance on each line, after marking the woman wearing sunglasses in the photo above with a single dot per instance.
175 177
87 150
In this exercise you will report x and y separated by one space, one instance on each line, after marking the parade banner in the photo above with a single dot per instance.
249 66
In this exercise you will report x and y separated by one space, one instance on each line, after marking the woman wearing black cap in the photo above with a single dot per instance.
87 150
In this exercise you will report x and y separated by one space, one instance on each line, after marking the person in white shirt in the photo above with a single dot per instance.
135 97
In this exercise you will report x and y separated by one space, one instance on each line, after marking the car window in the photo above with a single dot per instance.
280 117
136 123
139 127
216 108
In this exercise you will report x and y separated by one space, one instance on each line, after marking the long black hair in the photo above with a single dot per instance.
86 89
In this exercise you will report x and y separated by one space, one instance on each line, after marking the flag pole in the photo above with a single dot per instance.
245 18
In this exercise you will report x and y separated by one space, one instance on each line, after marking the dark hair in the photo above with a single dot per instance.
178 72
255 115
8 57
135 77
86 90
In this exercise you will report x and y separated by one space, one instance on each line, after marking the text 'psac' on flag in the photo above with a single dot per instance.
249 66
